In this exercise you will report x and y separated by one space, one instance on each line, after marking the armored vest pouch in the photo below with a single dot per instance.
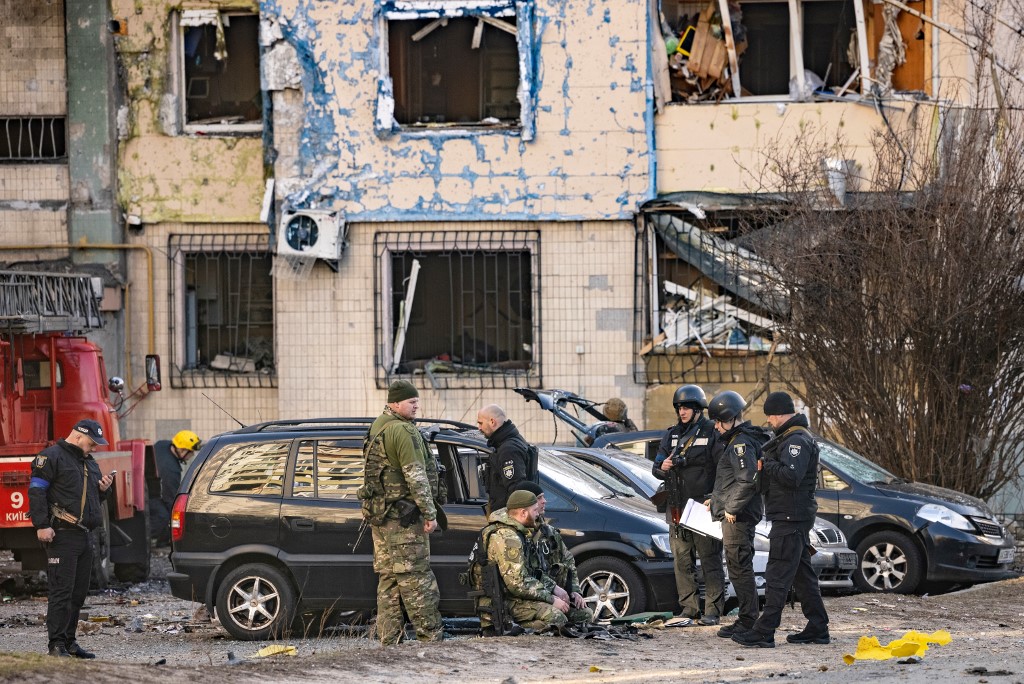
371 493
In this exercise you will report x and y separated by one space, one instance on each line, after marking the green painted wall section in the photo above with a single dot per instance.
91 136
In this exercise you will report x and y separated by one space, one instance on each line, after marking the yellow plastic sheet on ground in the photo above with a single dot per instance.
912 643
276 650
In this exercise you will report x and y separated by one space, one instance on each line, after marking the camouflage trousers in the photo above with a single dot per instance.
539 615
401 557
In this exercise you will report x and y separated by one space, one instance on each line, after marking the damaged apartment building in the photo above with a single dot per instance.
301 202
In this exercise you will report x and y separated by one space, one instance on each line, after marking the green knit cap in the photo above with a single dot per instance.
400 390
521 499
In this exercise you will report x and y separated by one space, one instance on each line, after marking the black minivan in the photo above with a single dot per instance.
266 526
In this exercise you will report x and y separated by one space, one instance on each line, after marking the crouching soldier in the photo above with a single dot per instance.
529 596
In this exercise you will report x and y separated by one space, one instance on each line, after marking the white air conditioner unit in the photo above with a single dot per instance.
311 233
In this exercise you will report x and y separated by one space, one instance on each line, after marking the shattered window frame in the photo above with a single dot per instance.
184 19
388 11
700 361
796 40
244 315
510 327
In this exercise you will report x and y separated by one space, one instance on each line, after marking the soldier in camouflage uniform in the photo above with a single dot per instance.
530 599
558 564
400 485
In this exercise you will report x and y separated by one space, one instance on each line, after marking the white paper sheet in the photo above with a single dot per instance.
698 518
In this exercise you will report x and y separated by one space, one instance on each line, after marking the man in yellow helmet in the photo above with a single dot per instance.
170 461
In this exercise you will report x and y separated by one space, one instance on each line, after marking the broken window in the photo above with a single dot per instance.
223 325
705 303
219 71
779 48
459 308
456 64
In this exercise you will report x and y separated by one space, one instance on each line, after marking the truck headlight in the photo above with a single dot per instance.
946 516
660 541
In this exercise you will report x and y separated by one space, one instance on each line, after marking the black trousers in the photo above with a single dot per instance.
68 569
738 540
789 566
684 543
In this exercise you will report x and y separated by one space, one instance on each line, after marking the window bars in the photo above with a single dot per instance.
458 309
222 304
33 138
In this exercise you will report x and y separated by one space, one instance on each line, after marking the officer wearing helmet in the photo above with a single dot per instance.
736 501
170 460
687 462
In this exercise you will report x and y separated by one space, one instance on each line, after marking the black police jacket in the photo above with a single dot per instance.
790 473
58 474
692 447
736 488
507 466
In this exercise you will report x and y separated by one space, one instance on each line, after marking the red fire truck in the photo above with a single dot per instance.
52 376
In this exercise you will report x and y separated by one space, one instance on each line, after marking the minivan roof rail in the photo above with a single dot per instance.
335 423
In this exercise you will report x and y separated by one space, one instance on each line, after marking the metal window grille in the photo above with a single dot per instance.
33 138
222 296
474 317
721 335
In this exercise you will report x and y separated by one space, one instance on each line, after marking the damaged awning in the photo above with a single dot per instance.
735 269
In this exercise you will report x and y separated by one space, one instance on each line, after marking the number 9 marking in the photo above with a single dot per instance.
17 499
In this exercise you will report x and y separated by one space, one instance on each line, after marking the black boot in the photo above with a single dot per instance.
810 636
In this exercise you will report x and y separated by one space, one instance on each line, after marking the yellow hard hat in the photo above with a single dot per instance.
186 439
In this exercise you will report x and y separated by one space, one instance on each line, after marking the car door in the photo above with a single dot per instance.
320 525
827 494
449 550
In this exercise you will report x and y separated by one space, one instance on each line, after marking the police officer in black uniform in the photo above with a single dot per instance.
65 495
789 478
508 465
736 502
686 460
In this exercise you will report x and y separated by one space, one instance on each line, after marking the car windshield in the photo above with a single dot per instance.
639 467
580 477
854 465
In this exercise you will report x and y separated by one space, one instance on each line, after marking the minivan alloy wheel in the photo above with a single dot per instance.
255 601
611 587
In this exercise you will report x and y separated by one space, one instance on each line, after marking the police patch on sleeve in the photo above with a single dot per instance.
794 450
40 461
508 470
741 450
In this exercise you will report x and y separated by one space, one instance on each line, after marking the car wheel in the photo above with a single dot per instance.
256 602
888 562
611 587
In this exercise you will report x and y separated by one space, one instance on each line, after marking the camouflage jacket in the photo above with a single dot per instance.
559 566
407 469
509 546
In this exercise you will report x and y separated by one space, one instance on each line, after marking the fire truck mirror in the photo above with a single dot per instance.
153 372
116 385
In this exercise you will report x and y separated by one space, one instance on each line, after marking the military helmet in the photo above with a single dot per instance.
726 406
186 439
690 394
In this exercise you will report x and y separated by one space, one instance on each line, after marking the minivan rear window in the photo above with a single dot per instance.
252 469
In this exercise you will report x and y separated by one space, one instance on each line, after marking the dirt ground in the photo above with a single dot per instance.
143 634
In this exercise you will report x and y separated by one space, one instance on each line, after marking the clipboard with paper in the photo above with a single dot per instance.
697 518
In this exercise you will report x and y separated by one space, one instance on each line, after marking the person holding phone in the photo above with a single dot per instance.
66 495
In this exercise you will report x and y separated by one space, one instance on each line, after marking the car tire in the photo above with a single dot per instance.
256 602
888 562
611 587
